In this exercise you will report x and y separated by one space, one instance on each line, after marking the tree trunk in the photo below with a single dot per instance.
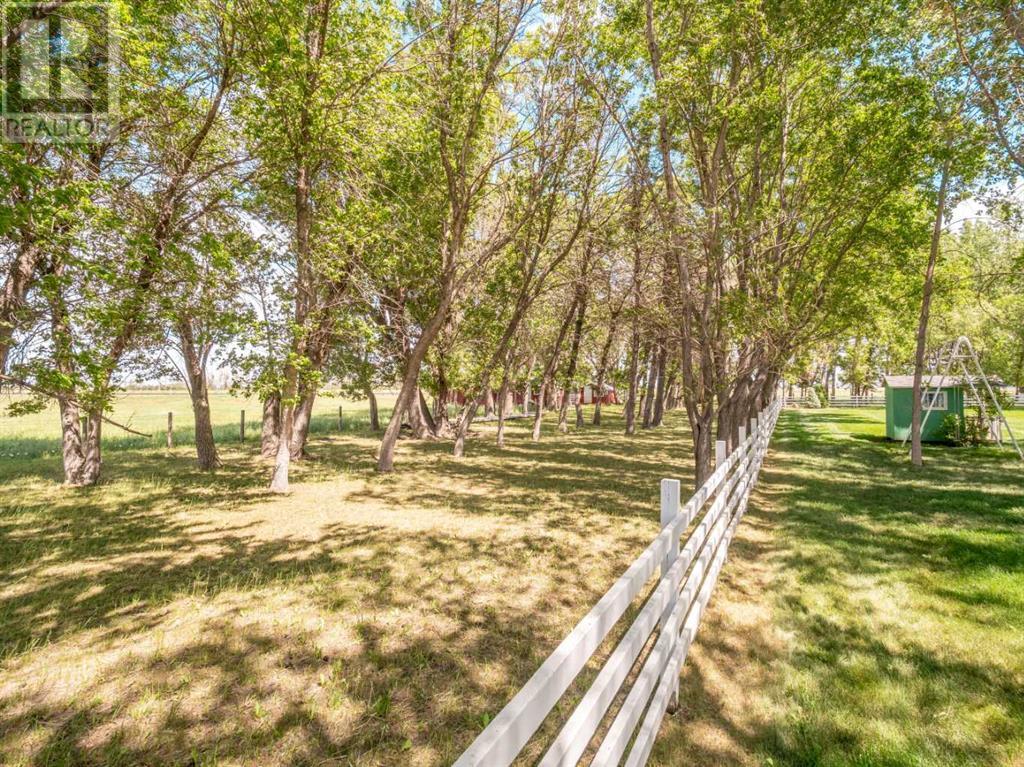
374 413
270 434
602 368
304 297
72 444
634 372
652 383
93 457
386 459
574 354
442 426
671 395
916 454
538 414
729 416
549 370
206 449
72 453
279 479
303 419
659 394
702 446
414 412
502 407
428 420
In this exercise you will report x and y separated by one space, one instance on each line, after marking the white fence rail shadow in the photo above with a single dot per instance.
669 618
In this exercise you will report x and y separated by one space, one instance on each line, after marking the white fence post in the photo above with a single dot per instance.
721 452
670 507
669 512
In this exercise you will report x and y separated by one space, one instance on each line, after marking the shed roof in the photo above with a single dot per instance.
931 382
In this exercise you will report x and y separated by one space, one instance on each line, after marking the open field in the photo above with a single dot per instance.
168 617
38 434
870 615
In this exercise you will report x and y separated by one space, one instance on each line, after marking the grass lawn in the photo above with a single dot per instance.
38 434
168 617
871 615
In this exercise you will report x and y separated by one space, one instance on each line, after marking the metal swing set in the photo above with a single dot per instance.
961 354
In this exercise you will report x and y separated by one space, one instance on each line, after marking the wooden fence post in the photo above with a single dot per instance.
341 422
721 452
743 436
170 430
241 428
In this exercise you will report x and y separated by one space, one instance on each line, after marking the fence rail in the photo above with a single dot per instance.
672 613
879 401
865 401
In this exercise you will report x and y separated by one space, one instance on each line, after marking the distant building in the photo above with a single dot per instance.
944 395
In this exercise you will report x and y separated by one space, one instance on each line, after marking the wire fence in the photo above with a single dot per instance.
18 441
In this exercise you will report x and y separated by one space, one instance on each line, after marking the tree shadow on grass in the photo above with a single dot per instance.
197 629
420 653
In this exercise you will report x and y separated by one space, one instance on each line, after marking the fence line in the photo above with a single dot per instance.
672 612
874 400
870 400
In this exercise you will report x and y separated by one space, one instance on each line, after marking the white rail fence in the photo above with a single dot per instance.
646 683
864 401
879 401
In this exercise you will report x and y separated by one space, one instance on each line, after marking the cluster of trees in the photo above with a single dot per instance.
978 292
685 198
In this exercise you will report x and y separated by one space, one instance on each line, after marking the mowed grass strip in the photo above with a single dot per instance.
171 617
871 614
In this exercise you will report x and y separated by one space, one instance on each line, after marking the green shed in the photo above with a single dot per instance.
948 394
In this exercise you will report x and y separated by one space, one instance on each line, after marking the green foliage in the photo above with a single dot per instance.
821 394
813 400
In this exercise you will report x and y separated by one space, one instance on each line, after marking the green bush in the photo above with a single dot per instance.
822 395
812 398
966 431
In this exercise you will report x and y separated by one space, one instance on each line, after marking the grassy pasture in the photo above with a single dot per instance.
38 434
